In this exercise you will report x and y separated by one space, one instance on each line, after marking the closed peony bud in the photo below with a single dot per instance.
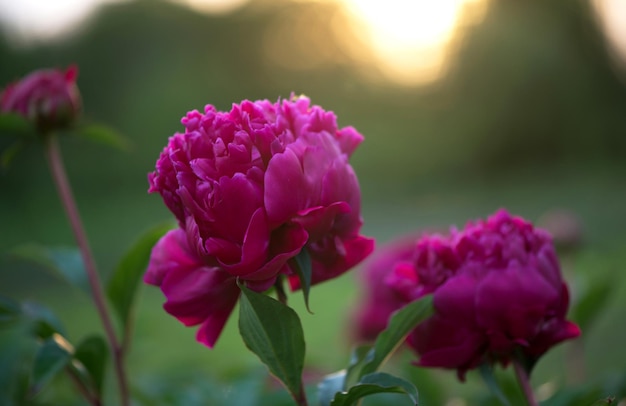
251 188
47 98
498 294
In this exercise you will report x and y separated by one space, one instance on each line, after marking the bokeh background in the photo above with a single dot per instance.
466 106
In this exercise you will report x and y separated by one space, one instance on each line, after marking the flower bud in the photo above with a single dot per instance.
47 98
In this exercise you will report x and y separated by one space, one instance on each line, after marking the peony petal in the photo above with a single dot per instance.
195 293
319 220
285 187
171 251
514 301
444 343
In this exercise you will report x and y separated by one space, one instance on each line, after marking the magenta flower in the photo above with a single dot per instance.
48 98
498 294
250 189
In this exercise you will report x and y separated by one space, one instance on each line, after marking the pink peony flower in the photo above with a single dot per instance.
47 98
250 189
497 288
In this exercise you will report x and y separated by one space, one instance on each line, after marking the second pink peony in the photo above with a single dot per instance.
497 288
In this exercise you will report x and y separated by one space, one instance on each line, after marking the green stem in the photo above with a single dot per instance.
524 382
64 190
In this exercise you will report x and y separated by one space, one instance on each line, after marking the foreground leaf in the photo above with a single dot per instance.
93 354
122 287
43 321
400 325
360 357
10 311
64 262
273 332
372 384
50 359
11 123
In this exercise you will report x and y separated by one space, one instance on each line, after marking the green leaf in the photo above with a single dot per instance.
122 287
592 302
371 384
104 135
93 354
400 325
486 371
44 322
10 311
63 262
304 269
360 356
273 332
50 359
11 123
330 385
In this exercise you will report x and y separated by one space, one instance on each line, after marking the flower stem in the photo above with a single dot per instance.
64 190
524 382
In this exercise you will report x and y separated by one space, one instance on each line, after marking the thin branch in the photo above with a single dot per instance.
64 190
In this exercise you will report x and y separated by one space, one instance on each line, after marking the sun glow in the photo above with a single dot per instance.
214 6
28 20
411 39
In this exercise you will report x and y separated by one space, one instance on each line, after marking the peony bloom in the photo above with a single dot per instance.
251 188
47 98
497 289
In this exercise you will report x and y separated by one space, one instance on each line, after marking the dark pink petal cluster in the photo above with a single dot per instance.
48 98
497 288
251 188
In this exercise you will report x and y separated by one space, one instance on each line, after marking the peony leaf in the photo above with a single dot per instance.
104 135
304 270
400 325
11 123
360 356
93 354
44 322
10 311
64 262
50 359
274 333
379 382
122 286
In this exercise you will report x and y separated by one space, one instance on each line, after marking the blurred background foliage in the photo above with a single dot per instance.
527 111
